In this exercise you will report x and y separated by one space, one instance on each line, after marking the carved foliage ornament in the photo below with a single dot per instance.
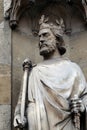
56 29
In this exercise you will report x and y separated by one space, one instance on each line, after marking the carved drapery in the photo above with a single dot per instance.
35 8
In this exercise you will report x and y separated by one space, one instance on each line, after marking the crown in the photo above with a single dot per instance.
57 28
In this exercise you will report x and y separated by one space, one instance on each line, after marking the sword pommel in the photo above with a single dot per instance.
27 64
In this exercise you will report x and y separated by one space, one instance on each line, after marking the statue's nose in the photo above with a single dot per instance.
41 39
41 42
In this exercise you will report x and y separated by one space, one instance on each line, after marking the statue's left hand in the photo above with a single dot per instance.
77 105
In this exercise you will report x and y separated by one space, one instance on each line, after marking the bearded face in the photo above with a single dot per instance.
47 43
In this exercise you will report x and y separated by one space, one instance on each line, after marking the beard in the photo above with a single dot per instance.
45 51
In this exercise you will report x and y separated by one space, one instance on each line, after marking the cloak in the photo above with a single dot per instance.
51 86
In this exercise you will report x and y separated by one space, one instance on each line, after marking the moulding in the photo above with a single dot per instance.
35 8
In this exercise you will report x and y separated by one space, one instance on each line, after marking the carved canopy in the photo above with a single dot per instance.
35 8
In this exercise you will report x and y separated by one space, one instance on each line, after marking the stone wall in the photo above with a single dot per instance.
78 50
5 72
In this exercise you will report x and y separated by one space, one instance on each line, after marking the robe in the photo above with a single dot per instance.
51 86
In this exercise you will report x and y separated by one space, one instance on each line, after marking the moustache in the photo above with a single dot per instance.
42 45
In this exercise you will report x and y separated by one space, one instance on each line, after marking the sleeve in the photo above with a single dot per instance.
80 82
82 85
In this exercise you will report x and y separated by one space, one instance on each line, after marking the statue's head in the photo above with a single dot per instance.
51 36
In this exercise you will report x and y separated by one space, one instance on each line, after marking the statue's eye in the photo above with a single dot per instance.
46 34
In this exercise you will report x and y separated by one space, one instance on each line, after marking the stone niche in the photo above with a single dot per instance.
23 19
68 10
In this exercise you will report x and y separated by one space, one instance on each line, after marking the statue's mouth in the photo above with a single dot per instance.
43 45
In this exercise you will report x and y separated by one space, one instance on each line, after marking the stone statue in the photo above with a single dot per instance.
53 96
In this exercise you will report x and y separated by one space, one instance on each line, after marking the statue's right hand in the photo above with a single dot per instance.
17 121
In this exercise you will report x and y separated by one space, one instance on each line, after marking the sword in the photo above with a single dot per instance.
27 65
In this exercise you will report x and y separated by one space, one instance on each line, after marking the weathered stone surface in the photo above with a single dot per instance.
6 5
5 117
2 25
5 70
27 46
1 11
5 84
78 50
17 79
23 47
5 47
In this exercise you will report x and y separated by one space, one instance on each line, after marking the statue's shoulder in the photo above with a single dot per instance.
75 66
72 64
67 60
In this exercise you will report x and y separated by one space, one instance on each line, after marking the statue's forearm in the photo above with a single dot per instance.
17 110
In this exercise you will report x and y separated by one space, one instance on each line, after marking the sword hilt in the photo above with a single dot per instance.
27 64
